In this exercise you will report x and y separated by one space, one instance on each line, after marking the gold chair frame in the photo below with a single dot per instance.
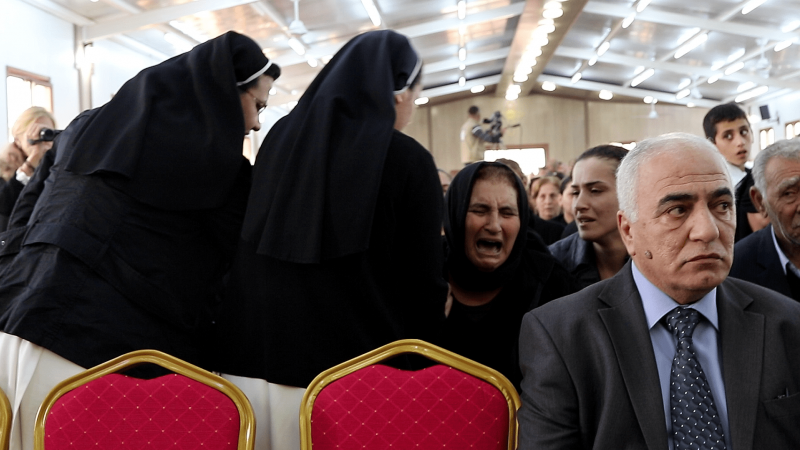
5 420
247 424
419 347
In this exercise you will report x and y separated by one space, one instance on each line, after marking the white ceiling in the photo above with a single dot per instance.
496 34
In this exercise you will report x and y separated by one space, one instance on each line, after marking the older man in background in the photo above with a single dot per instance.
770 257
669 353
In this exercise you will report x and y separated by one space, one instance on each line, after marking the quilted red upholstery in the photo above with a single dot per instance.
380 407
119 412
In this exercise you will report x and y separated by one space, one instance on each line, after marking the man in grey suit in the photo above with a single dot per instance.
669 353
770 257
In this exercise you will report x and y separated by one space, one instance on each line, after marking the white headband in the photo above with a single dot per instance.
411 77
255 75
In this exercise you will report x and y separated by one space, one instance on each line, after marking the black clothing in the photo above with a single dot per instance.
287 322
529 277
30 193
578 257
559 219
102 267
9 192
172 128
571 228
757 261
744 205
316 184
549 231
100 274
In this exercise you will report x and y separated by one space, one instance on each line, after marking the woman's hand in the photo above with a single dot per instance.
33 152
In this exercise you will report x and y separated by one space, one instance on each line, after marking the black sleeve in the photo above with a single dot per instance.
31 192
225 223
8 196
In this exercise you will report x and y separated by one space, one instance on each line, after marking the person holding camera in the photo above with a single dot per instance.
473 135
21 157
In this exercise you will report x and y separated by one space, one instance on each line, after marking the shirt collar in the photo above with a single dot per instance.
657 304
785 263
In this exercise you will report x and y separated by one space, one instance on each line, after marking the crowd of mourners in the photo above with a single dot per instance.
143 226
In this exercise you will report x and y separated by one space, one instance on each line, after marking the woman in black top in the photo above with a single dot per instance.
496 268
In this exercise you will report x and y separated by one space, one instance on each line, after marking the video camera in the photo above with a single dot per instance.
496 122
45 135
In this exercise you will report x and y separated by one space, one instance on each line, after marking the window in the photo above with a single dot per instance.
530 160
766 137
23 90
792 130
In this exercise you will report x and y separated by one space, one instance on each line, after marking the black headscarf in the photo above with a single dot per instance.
174 132
457 265
316 177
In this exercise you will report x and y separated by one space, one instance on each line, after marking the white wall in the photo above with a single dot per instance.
114 65
35 41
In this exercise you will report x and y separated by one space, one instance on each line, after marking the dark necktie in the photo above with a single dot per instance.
695 422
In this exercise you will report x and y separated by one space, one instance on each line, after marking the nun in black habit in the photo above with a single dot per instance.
136 223
497 267
341 249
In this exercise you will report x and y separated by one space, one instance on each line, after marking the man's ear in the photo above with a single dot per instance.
624 226
758 201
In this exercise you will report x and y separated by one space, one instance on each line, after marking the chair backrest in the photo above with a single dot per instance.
457 403
5 421
188 409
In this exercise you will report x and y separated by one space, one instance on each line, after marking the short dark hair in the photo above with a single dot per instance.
473 110
613 153
727 112
565 183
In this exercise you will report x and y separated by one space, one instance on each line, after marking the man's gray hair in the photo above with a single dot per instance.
628 171
787 149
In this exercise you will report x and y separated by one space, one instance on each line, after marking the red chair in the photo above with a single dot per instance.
191 409
363 405
5 421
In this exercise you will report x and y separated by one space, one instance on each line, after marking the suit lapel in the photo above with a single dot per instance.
771 275
742 341
627 327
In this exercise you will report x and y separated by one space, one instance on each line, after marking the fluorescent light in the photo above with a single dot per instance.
750 94
751 5
547 22
736 55
552 5
313 62
686 82
593 61
520 78
691 45
791 26
638 70
552 13
576 77
462 81
462 66
539 40
606 95
273 91
477 89
421 101
642 76
547 29
511 97
549 86
648 99
462 54
525 70
783 45
713 78
297 46
746 86
462 29
374 16
690 105
642 5
603 48
515 88
628 20
683 94
462 9
734 68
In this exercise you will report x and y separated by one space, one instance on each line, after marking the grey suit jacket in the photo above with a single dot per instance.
756 260
591 382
